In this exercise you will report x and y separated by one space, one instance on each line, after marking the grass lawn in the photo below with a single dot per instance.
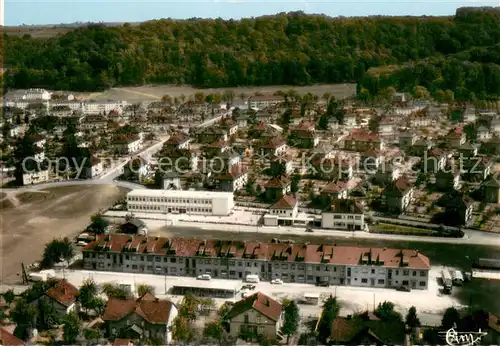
389 228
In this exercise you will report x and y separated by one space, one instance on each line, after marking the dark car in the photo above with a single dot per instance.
323 284
248 287
403 289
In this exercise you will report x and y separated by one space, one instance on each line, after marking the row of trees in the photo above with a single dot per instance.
288 48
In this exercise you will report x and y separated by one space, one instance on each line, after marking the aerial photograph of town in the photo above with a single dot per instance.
249 173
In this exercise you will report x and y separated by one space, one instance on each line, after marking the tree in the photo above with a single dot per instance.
113 291
71 328
412 320
88 291
166 99
98 224
451 317
144 289
24 316
294 186
47 315
385 311
326 96
286 118
182 330
189 307
9 296
91 334
249 187
213 330
292 318
57 251
420 92
199 96
328 315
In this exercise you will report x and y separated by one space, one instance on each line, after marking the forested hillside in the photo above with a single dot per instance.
293 48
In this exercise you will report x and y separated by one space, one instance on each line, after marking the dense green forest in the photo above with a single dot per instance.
458 53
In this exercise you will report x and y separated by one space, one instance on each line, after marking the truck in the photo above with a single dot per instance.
457 277
447 280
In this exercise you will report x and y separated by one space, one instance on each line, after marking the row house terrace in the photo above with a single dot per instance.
302 263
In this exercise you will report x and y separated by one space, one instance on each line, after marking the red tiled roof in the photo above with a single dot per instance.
457 132
363 136
177 138
218 144
260 302
63 292
274 143
285 202
8 339
190 247
122 342
148 307
281 182
335 187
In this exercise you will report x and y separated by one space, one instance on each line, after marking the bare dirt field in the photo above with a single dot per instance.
43 215
155 92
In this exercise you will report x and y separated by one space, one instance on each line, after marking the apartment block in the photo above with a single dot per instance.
300 263
180 202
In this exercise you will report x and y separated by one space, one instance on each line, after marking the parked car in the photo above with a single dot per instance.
403 289
309 230
204 277
276 282
323 284
248 287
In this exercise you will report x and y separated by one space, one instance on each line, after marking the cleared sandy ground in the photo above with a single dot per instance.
29 220
155 92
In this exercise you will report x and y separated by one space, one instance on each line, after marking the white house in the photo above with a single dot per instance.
94 169
128 145
36 95
63 297
344 214
263 101
285 211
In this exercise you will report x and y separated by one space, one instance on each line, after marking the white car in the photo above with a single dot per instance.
276 282
204 277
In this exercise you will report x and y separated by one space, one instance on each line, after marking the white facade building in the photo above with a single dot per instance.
37 177
180 202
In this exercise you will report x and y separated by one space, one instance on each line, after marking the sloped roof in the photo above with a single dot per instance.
8 339
285 202
151 309
259 302
63 292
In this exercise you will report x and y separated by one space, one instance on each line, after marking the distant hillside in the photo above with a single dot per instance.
288 48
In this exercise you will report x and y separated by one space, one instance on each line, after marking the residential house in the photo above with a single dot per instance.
136 169
215 149
350 121
495 126
470 115
127 144
144 318
323 151
398 195
367 329
277 187
273 147
400 98
332 169
447 180
344 214
94 167
283 212
63 296
256 316
232 179
228 125
361 140
94 122
483 133
134 226
456 137
492 190
281 164
242 119
421 147
207 135
303 135
296 118
263 101
170 180
229 158
434 160
387 173
335 190
459 209
407 139
386 127
9 339
370 160
468 150
123 342
476 168
178 140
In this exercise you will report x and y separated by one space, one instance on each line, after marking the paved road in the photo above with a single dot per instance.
109 178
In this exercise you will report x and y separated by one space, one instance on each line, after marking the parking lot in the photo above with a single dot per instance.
430 303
